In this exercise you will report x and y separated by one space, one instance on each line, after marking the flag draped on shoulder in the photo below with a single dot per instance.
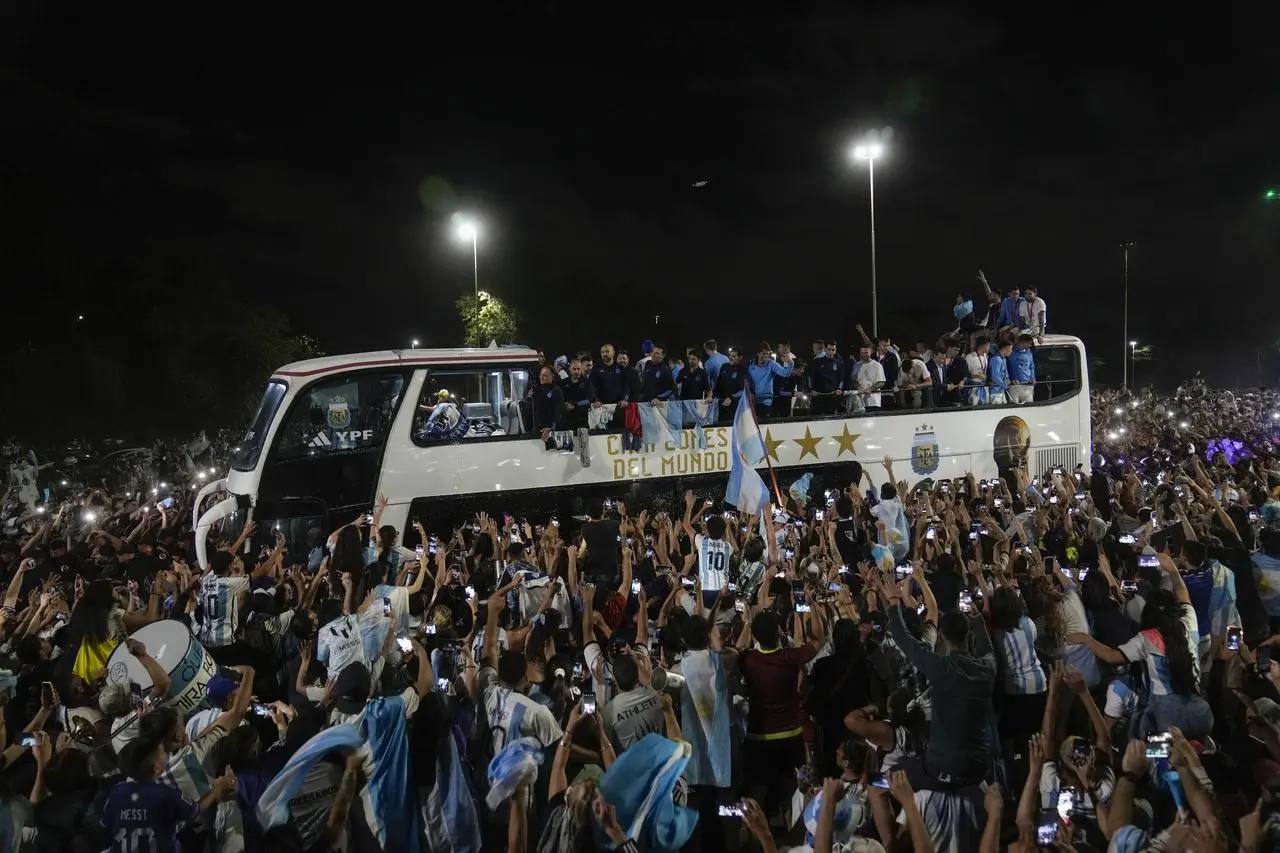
746 490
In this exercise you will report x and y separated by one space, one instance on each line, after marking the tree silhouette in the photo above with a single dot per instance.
487 319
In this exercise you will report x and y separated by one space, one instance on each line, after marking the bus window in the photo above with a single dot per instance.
462 404
250 449
1057 372
340 415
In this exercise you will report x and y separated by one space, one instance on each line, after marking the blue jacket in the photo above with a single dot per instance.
828 373
1009 314
712 365
1022 365
762 379
997 373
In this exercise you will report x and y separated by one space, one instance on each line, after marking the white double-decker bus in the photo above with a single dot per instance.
331 434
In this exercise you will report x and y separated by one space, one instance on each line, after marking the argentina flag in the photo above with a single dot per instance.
653 421
746 489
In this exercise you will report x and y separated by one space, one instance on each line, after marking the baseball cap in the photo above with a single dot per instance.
219 688
351 692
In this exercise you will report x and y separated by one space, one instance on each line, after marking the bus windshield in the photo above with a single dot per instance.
246 455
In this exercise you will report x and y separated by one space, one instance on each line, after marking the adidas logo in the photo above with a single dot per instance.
321 440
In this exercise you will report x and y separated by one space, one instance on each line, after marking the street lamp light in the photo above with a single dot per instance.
871 151
468 230
413 343
1133 359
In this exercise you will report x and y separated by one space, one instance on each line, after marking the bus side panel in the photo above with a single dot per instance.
939 444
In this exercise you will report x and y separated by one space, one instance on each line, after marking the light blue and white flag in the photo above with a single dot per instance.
653 422
699 413
273 805
704 718
389 798
746 489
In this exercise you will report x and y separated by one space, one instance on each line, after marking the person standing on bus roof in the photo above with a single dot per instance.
729 384
608 379
1022 371
713 361
976 366
827 378
578 396
548 404
998 375
656 382
867 376
630 378
713 551
761 373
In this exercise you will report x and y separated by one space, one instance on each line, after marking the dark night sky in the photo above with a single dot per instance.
290 150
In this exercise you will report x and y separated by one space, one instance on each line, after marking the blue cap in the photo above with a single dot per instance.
647 346
219 688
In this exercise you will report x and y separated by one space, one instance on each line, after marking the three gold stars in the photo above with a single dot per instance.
808 444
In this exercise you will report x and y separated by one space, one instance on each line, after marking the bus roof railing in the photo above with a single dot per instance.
406 357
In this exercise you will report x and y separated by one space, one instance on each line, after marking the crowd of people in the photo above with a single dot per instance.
1058 659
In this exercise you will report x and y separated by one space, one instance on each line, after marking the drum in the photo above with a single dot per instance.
175 648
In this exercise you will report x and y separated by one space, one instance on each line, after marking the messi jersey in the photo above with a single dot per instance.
713 562
220 600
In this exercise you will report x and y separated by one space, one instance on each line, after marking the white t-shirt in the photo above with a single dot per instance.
975 365
866 376
124 729
913 373
339 644
1031 313
713 562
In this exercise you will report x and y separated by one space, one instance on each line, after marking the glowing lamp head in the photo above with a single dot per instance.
467 230
868 151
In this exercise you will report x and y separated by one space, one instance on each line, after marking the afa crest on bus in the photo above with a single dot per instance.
924 451
339 415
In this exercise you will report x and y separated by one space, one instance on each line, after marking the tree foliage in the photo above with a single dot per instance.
487 320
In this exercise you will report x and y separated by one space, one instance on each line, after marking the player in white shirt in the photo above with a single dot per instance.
1033 313
868 378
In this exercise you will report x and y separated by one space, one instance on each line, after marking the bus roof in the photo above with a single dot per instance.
407 357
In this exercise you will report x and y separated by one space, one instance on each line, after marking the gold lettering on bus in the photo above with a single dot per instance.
676 464
686 441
